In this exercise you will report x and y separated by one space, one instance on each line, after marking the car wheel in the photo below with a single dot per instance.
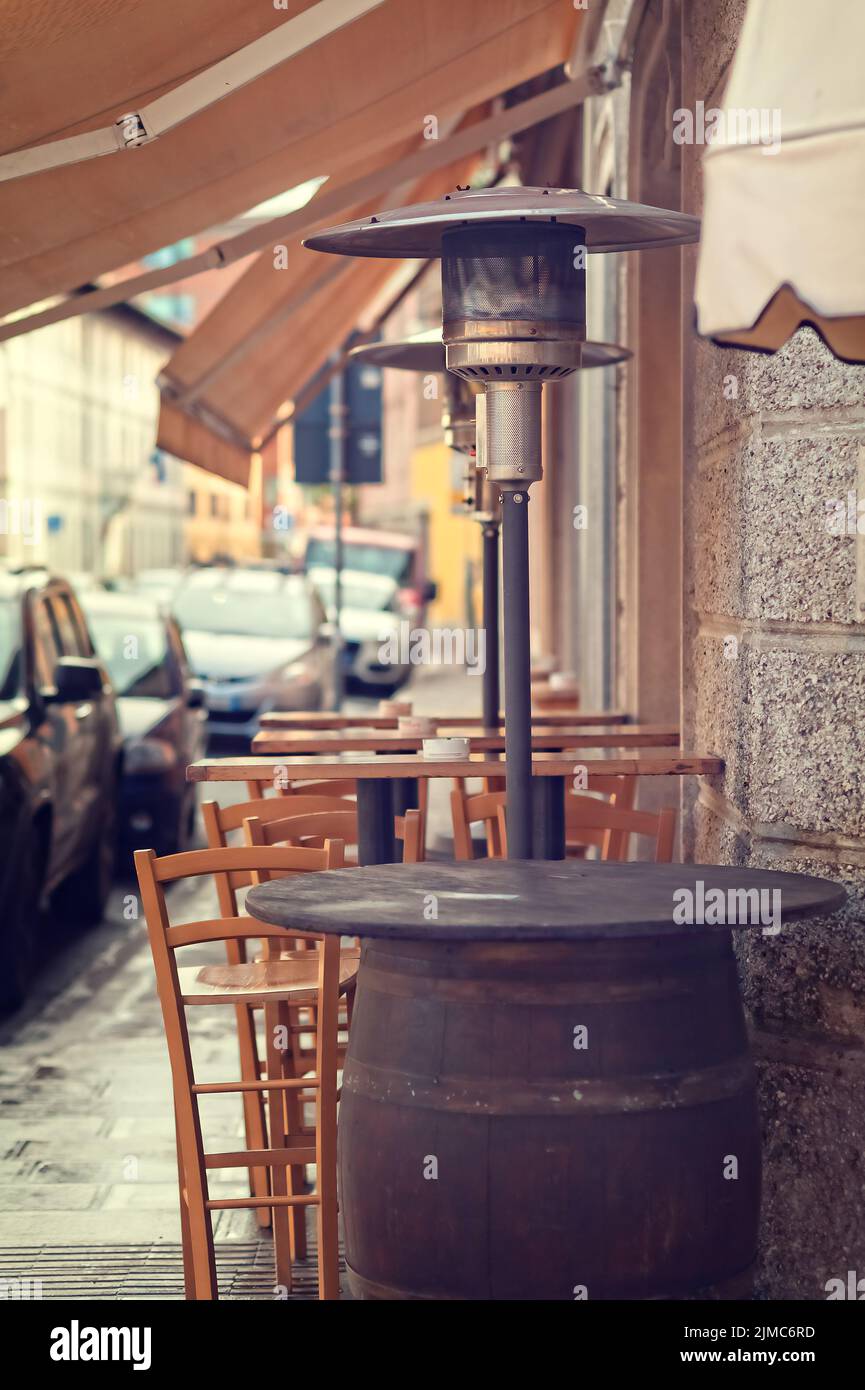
83 896
20 938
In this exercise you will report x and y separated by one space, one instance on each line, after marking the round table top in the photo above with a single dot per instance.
542 900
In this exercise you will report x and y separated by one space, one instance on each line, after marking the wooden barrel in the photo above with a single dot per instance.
554 1120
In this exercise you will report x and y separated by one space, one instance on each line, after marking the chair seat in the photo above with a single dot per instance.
294 977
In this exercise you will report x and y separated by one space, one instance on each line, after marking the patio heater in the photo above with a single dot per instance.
513 309
464 427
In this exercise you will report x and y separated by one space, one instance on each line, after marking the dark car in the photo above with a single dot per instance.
162 717
59 766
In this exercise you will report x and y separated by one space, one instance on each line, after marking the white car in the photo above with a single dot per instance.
257 640
369 624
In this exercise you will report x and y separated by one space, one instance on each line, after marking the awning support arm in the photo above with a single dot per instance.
205 89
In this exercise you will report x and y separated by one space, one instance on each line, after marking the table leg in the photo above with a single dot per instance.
375 814
548 817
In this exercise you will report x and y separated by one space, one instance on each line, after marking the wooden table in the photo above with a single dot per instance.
546 696
294 719
387 784
369 740
547 1075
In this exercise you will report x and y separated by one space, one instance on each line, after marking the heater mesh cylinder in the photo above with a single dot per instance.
513 433
517 272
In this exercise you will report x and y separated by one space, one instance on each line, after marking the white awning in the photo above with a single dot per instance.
783 239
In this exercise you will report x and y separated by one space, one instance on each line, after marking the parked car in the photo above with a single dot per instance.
162 717
257 640
159 585
384 590
368 618
59 766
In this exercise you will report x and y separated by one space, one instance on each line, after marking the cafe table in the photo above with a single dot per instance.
324 719
548 697
548 1090
367 740
387 784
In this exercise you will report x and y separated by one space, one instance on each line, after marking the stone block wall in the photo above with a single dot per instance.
774 681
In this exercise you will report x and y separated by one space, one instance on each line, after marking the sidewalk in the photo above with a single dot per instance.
88 1180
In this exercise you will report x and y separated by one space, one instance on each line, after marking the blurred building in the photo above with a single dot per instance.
222 521
82 484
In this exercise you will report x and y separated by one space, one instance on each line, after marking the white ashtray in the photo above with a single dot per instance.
415 724
394 708
444 749
564 680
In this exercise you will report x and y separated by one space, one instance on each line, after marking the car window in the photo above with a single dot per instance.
10 650
178 650
70 642
135 650
46 643
391 561
79 624
237 606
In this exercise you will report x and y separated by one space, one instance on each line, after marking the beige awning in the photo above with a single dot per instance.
225 385
782 239
67 70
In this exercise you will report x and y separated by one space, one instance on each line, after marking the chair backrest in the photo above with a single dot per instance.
466 811
409 829
613 844
154 873
608 824
220 822
326 786
311 828
593 814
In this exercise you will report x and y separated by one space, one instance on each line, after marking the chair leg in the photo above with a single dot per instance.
327 1211
283 1242
185 1241
253 1106
199 1274
293 1111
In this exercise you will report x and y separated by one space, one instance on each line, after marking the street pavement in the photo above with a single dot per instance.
88 1179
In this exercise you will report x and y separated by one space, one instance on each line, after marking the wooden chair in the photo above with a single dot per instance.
409 829
621 792
305 828
468 810
589 813
338 786
221 822
314 978
589 820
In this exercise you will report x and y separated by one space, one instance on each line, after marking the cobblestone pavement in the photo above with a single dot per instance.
88 1183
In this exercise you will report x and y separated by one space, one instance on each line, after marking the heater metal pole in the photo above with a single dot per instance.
338 413
491 696
518 691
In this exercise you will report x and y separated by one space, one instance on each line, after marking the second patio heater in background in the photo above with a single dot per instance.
513 310
463 425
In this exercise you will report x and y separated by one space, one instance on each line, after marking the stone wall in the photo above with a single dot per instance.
774 680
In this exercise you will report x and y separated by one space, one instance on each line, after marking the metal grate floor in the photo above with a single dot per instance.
108 1273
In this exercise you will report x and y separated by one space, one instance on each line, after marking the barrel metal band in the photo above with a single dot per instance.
511 1096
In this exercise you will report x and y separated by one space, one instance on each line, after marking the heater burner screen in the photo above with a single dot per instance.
523 272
